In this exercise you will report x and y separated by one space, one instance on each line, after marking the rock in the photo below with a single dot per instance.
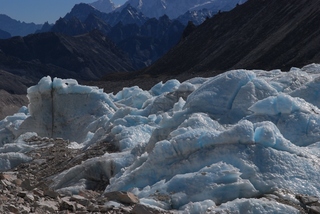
143 209
80 207
37 155
2 177
22 194
38 192
9 176
17 182
88 194
80 200
314 210
26 184
29 198
67 205
6 183
50 193
93 208
122 197
307 200
127 210
50 206
12 208
24 209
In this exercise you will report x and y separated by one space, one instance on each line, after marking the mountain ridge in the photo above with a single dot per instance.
17 28
105 6
173 9
257 34
144 39
88 56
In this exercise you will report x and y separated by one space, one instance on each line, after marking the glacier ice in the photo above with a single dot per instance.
203 145
254 206
53 114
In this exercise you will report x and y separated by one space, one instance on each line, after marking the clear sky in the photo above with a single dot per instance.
40 11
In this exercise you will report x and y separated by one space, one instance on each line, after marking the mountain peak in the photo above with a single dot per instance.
157 8
105 6
81 11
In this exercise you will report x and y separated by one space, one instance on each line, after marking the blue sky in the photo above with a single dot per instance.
40 11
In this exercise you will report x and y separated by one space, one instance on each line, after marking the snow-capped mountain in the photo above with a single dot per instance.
127 15
196 16
173 8
105 6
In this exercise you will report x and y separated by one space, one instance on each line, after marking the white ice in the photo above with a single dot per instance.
188 146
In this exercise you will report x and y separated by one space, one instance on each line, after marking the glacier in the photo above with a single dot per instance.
205 145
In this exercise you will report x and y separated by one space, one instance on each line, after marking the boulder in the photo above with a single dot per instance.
122 197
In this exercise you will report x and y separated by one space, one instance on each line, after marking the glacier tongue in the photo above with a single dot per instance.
187 146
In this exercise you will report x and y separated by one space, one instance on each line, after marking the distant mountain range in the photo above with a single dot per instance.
89 44
143 39
184 11
258 34
171 8
17 28
196 16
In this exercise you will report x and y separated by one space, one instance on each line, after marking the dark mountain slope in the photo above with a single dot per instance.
4 34
81 11
144 40
128 15
258 34
148 42
89 56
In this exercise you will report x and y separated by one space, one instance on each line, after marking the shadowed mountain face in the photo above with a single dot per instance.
4 34
89 56
147 43
12 93
144 40
175 8
258 34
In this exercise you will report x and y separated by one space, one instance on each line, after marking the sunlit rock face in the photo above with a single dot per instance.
212 144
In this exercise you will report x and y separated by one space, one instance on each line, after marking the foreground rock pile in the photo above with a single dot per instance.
25 189
19 196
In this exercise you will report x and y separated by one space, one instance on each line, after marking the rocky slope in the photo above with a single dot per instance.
13 90
88 56
25 189
258 34
144 40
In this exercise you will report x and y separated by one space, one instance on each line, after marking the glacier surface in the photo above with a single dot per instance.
204 145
